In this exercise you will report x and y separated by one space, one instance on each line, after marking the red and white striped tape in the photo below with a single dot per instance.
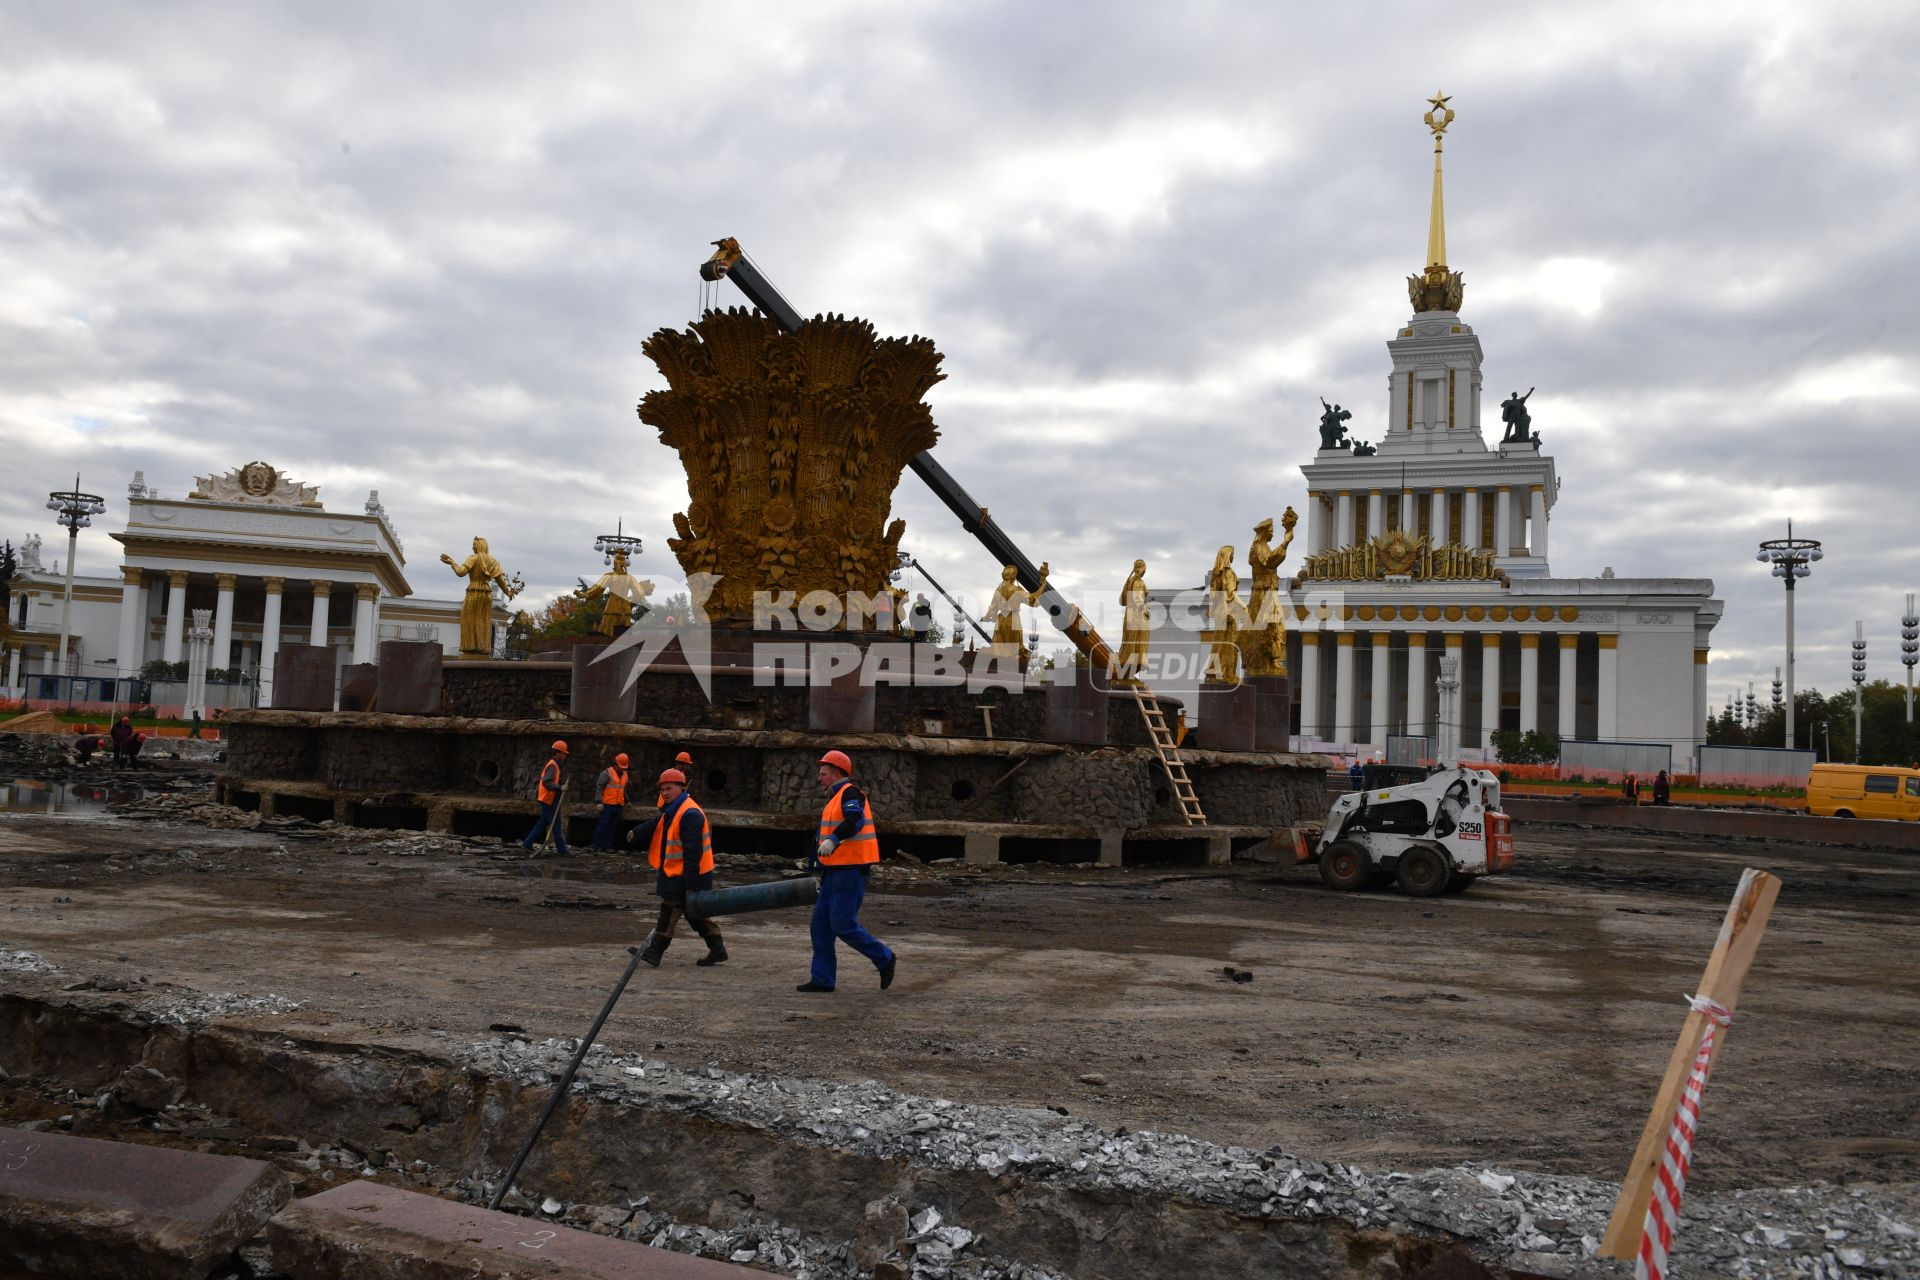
1663 1207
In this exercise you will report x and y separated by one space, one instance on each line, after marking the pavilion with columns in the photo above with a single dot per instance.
259 552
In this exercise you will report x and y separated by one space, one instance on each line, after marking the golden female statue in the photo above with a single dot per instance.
1134 626
622 590
1224 614
1266 644
1003 611
483 573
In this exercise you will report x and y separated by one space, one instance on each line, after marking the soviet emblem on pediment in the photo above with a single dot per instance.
256 484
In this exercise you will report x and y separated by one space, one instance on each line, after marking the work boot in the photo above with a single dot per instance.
886 972
716 954
811 985
656 947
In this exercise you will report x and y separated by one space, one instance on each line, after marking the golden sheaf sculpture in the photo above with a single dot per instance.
793 444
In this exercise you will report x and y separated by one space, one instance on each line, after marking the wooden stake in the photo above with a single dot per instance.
1726 970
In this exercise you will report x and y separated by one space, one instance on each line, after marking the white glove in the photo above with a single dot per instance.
826 847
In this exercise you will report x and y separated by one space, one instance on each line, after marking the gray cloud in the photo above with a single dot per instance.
418 250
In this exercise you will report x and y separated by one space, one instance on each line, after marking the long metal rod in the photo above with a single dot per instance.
566 1080
1789 742
957 608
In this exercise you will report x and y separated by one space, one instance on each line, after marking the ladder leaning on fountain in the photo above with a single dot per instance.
1169 752
731 262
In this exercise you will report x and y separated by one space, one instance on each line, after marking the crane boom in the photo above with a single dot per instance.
730 262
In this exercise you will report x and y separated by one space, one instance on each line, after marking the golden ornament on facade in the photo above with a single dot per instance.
1498 613
1569 614
1364 613
1476 614
1431 613
793 444
1401 554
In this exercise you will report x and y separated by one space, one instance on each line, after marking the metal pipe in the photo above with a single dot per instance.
771 895
935 584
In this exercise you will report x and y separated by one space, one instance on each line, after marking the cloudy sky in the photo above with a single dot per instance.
416 248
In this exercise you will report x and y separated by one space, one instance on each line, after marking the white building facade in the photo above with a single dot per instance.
259 551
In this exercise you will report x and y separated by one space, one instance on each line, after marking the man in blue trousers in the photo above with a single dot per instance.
845 852
550 791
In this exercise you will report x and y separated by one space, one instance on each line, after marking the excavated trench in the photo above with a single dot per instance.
830 1160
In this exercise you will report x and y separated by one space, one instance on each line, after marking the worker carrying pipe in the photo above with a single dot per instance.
680 847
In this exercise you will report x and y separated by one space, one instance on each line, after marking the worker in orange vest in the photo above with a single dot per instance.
680 847
553 781
844 854
684 763
612 785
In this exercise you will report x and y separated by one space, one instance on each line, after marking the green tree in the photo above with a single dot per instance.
1886 736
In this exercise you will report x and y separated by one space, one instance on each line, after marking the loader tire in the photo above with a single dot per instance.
1423 871
1346 865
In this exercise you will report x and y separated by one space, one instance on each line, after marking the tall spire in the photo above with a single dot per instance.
1436 288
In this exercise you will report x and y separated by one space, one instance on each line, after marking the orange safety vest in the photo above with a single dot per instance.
615 792
550 793
862 847
665 852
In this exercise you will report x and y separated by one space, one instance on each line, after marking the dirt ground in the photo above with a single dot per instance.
1523 1023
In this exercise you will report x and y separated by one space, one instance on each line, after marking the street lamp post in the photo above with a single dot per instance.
1792 558
1859 681
1909 649
612 544
75 510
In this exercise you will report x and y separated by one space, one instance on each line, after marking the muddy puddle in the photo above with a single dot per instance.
63 799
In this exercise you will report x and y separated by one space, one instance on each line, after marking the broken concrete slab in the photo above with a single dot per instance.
369 1231
78 1206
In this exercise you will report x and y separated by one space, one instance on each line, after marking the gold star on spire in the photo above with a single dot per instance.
1436 288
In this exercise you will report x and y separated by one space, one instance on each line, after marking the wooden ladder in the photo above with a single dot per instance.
1169 752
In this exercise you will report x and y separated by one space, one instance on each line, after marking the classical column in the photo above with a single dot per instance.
1376 513
1530 682
132 602
1439 517
1343 688
322 601
222 656
1310 684
176 615
1409 512
1503 521
1489 686
1470 517
1569 683
1456 643
1607 697
13 667
1417 684
1316 522
363 626
1382 689
1537 528
1343 518
1699 704
270 638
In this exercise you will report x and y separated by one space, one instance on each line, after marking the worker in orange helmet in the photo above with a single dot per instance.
612 786
680 847
844 855
549 792
684 763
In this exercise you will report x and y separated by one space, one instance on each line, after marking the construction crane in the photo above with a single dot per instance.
731 263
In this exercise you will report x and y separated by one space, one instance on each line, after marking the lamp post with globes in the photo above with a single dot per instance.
611 544
1909 649
1792 559
1859 681
75 510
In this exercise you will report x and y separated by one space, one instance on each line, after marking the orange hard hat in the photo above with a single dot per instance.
838 759
621 759
673 775
560 746
683 758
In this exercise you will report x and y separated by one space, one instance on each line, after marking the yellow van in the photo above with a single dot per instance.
1863 791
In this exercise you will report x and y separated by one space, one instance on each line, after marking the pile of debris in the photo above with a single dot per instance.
1533 1221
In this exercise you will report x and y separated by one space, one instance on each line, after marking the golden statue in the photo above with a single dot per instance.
1135 624
483 573
793 444
1225 613
622 590
1265 645
1003 611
